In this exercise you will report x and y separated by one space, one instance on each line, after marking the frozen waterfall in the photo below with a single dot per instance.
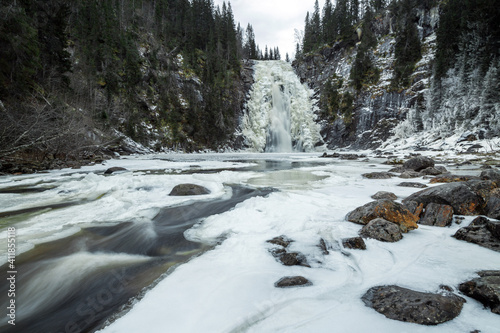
279 115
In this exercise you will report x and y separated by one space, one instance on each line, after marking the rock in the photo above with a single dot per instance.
350 157
485 289
432 171
437 215
355 243
188 189
452 178
293 259
466 198
113 170
398 169
414 207
281 241
412 184
323 247
483 232
419 163
408 305
386 209
493 205
292 281
378 175
384 195
410 174
490 174
382 230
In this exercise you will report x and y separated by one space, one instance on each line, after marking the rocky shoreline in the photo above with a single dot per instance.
438 206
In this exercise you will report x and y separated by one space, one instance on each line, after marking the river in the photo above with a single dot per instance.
116 252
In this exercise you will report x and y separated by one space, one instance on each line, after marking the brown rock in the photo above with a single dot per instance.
452 179
354 243
188 189
378 175
281 241
437 215
292 281
386 209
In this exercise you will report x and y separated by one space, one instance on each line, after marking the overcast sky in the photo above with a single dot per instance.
273 21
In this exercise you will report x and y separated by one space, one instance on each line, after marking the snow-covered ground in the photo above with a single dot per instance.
231 287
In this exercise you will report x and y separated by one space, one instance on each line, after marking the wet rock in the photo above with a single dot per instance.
351 157
355 243
485 289
398 169
323 247
437 215
410 174
292 281
382 230
490 174
386 209
384 195
493 205
188 189
334 155
483 232
114 170
378 175
412 184
419 163
408 305
466 198
281 241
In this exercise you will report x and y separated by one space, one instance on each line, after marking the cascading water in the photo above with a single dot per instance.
279 115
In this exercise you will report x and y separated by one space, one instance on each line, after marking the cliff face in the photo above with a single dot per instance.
369 115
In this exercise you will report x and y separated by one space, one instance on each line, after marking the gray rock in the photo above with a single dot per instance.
382 230
281 241
437 215
419 163
412 184
378 175
466 198
432 171
355 243
114 170
483 232
398 169
408 305
410 174
485 289
490 174
293 259
189 189
292 281
384 195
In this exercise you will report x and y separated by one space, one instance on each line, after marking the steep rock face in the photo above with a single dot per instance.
377 108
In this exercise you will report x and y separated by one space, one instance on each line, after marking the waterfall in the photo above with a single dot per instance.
279 116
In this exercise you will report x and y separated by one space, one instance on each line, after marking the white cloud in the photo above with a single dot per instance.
273 21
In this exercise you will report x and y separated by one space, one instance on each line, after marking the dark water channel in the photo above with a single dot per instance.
75 284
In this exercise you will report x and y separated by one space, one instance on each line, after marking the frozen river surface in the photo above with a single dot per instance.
95 249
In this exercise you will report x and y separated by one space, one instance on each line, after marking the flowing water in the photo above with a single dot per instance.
280 111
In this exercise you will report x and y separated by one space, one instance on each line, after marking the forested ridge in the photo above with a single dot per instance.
422 66
166 73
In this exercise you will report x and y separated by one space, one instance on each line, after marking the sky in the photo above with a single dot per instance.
273 21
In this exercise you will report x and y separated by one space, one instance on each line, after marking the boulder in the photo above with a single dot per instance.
114 170
490 174
466 198
355 243
414 207
449 178
493 205
483 232
382 230
384 195
437 215
188 189
398 169
485 289
433 171
386 209
292 281
293 259
410 174
419 163
411 184
408 305
378 175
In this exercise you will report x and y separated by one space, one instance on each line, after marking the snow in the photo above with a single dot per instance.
231 288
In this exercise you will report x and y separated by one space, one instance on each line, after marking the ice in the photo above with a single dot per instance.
231 288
